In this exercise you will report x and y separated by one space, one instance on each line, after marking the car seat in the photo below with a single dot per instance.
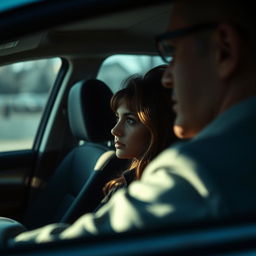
91 120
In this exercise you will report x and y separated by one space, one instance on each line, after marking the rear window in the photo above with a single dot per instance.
117 68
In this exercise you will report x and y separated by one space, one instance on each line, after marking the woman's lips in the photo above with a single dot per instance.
119 145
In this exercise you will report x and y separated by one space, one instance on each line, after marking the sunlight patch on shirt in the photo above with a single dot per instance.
188 169
152 189
160 210
171 164
126 209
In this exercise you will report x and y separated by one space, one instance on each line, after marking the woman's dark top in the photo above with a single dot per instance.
129 177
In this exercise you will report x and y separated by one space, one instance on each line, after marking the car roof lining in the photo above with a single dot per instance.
120 21
129 31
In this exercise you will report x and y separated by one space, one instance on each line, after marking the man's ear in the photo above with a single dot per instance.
228 50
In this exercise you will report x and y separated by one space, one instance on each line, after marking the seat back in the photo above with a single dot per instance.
91 120
90 196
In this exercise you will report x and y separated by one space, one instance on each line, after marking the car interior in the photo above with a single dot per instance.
84 167
60 177
68 117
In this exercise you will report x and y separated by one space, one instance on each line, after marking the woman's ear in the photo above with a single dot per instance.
228 50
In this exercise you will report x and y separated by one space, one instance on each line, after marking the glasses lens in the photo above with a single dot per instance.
166 51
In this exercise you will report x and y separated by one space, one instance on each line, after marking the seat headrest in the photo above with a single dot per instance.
89 112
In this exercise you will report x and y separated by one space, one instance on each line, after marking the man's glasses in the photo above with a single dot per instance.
166 50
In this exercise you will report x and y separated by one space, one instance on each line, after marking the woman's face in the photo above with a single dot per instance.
132 138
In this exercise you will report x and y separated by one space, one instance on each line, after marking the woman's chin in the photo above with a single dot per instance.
120 155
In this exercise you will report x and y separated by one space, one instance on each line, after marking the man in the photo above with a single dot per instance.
212 175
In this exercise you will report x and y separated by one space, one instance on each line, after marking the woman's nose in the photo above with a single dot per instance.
116 130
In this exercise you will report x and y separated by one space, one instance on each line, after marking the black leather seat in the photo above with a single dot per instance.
91 120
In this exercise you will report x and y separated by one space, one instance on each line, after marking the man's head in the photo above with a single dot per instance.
212 66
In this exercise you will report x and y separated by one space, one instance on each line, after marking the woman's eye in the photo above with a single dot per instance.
131 121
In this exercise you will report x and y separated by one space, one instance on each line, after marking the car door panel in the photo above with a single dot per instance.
15 170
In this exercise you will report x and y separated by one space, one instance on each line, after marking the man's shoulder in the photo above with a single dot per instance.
185 148
189 160
180 154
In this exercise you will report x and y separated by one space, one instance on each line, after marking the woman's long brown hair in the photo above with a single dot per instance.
153 105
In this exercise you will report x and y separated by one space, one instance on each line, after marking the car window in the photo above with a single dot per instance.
115 69
24 90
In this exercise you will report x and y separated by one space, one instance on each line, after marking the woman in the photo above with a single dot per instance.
144 124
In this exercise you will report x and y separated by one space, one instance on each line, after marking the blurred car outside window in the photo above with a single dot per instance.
117 68
24 90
